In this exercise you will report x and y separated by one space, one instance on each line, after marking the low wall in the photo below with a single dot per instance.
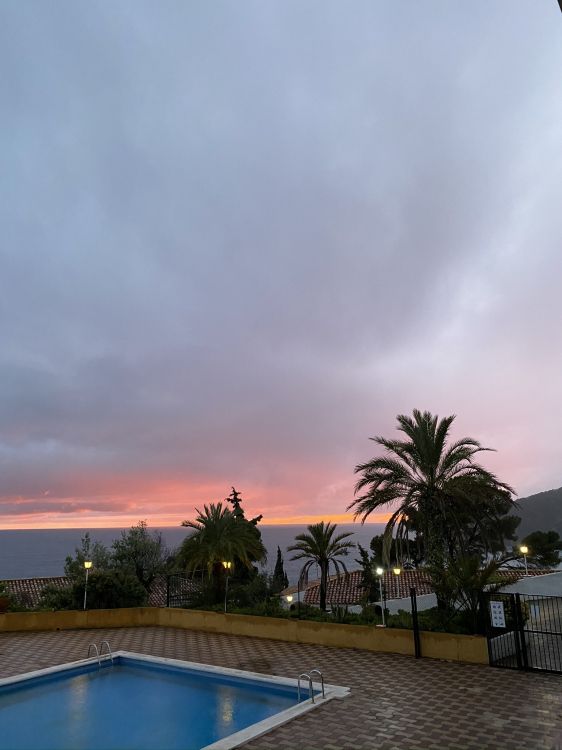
463 648
295 631
79 619
466 648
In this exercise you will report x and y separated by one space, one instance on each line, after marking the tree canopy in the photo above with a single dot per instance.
218 536
141 552
544 548
94 551
320 545
221 535
434 487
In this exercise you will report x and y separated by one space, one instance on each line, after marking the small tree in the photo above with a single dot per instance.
368 576
544 548
141 552
461 585
385 552
280 580
95 551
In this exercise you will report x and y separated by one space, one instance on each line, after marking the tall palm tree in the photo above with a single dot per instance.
320 547
429 479
219 536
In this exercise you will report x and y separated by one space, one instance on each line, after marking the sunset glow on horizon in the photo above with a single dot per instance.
158 522
164 504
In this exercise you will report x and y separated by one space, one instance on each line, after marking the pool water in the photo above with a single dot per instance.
134 705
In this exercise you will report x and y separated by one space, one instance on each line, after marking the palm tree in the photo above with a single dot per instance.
219 536
319 546
430 480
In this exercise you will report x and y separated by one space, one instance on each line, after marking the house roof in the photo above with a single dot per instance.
27 591
347 589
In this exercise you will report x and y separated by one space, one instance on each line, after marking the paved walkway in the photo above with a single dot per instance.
397 702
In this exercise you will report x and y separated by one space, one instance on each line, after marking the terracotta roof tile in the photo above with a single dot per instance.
347 588
27 591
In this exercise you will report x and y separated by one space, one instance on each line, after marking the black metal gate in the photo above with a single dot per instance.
180 590
524 631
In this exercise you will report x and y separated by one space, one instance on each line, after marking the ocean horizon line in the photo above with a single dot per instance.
179 526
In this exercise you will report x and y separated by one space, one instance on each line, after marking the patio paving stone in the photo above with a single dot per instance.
396 703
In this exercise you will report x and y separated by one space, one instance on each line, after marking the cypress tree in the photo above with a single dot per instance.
280 579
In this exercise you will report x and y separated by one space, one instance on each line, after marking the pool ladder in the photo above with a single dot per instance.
308 676
99 651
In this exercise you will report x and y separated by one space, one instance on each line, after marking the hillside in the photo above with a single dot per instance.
540 512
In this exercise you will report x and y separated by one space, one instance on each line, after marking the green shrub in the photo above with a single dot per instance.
106 590
434 620
7 601
55 598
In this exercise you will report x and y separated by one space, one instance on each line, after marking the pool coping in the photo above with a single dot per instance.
233 740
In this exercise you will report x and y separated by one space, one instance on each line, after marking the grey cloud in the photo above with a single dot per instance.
238 237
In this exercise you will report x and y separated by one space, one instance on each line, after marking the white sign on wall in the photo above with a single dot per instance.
497 614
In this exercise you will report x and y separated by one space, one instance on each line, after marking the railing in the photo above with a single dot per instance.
319 673
99 652
308 676
310 688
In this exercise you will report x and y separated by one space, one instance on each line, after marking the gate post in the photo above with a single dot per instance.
485 612
520 624
415 623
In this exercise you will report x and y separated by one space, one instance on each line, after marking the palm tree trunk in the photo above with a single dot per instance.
323 585
435 556
218 579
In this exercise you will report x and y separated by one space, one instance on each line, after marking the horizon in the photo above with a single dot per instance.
239 240
303 521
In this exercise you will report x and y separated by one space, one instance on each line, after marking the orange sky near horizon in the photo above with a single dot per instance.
168 503
120 501
163 521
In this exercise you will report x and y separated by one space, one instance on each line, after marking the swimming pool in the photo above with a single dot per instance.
145 703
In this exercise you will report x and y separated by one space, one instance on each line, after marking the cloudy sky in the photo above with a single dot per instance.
239 238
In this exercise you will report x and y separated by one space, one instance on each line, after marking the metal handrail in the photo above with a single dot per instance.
319 673
108 650
93 645
310 690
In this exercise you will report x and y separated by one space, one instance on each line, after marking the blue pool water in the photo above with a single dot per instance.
133 705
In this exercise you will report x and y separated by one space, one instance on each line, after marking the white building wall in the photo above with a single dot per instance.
547 585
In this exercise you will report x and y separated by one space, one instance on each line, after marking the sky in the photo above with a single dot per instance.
239 238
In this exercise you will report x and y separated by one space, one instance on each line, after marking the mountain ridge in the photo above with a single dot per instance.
540 512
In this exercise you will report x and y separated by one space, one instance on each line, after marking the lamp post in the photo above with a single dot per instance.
397 570
380 572
227 565
289 598
525 551
87 566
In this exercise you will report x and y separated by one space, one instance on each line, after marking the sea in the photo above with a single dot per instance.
38 553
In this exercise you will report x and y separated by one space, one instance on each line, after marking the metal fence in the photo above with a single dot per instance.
180 590
525 631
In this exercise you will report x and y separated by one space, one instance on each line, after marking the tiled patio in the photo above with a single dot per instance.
396 702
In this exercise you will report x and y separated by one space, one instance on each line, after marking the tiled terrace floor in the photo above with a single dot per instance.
396 701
